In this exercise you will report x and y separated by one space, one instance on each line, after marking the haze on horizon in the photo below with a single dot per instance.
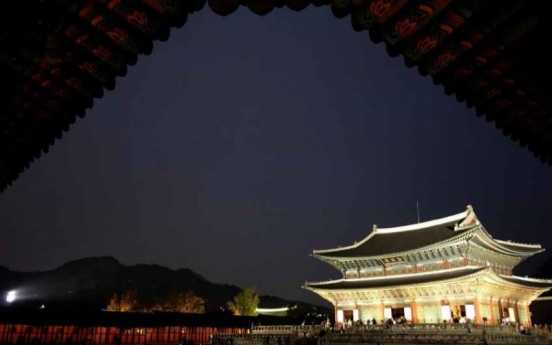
245 142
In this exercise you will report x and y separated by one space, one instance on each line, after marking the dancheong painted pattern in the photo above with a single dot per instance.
57 56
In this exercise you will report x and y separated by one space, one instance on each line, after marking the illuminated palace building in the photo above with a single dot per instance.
440 270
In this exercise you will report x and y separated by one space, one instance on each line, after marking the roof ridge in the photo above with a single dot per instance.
465 224
423 225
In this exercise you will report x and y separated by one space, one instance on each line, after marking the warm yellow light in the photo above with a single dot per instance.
272 310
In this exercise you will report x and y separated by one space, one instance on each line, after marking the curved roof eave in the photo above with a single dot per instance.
507 247
463 221
525 282
447 275
457 239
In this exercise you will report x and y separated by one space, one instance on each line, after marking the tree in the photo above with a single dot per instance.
245 303
123 302
185 302
114 303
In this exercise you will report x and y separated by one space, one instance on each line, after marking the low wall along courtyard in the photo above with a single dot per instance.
460 334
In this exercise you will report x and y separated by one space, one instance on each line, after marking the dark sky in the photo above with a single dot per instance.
244 142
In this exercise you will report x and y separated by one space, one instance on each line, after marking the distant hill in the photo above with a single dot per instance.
89 283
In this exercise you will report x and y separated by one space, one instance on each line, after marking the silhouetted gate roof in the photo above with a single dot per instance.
57 56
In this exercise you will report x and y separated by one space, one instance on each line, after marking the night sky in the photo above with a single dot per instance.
245 142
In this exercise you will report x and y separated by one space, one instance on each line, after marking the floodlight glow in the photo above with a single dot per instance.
272 310
10 297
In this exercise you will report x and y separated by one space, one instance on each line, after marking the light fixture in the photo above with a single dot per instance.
10 297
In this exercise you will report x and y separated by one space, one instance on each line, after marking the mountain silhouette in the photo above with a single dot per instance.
89 283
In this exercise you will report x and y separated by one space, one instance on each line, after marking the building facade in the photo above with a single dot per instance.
431 272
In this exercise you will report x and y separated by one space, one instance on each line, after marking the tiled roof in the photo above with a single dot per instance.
57 56
525 249
401 239
530 282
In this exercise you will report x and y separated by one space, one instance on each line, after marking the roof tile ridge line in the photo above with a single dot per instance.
394 276
460 238
376 230
423 225
354 245
325 282
503 251
500 245
535 280
528 245
506 249
505 279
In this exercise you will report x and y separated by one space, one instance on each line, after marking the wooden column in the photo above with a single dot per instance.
382 312
414 312
500 315
492 319
528 312
477 308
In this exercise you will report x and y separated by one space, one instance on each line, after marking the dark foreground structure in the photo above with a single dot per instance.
57 56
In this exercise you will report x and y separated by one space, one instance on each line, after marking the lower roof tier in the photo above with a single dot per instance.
455 281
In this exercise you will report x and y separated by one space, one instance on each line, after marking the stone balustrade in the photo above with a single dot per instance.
460 334
285 329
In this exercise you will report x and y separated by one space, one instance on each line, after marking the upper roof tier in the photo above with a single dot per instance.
391 241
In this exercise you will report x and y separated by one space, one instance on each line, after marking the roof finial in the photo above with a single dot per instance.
471 218
375 228
418 211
